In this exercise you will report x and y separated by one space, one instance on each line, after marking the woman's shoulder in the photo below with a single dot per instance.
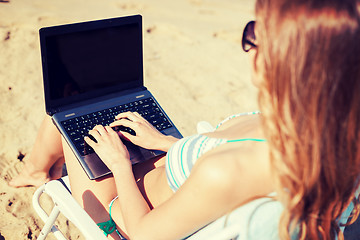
241 170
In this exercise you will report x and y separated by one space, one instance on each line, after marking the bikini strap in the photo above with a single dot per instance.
236 115
109 227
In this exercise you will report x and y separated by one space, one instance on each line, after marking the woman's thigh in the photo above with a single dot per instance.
152 182
93 195
156 187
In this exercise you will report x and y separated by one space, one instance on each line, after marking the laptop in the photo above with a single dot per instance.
92 71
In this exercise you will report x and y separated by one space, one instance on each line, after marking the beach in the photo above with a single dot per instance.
193 64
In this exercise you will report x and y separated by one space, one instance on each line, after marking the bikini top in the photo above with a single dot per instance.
182 156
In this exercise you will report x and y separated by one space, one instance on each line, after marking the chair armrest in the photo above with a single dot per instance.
71 209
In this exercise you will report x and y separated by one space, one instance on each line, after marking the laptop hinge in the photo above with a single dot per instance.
52 111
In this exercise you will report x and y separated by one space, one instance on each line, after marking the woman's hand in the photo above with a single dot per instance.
108 146
147 136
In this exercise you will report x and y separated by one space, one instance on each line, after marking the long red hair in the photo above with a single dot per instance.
308 59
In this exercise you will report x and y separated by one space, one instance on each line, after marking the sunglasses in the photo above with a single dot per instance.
249 38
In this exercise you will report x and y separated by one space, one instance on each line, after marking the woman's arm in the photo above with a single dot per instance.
203 198
206 196
211 191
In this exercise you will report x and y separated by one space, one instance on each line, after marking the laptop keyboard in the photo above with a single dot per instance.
77 128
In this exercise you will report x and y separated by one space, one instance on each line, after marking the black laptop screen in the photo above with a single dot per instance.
83 61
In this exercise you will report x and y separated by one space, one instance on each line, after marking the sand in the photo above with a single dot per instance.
191 47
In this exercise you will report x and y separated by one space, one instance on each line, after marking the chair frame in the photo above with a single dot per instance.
64 203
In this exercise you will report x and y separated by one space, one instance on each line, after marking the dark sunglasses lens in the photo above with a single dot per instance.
248 39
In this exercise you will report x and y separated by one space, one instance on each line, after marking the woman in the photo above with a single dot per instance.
305 62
